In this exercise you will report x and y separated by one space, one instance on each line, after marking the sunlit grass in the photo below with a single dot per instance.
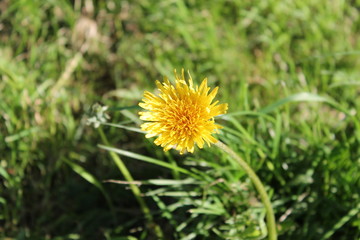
288 69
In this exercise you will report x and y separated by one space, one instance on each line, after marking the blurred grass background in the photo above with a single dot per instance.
288 69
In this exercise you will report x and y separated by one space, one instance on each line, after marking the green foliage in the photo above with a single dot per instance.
288 69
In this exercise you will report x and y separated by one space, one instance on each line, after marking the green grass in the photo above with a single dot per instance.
288 69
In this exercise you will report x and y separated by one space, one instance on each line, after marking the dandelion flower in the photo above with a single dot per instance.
181 115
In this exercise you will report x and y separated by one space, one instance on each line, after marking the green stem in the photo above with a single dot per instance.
271 225
134 188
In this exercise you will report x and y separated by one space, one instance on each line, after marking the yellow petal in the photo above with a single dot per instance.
181 115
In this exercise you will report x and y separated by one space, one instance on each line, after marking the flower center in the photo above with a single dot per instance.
184 118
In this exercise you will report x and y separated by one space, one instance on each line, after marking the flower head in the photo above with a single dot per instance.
181 115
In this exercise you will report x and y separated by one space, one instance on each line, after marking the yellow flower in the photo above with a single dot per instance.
181 115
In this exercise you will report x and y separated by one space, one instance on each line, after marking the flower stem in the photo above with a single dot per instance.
134 188
271 225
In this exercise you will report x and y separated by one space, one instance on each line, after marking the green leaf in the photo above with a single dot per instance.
303 97
91 179
133 129
145 159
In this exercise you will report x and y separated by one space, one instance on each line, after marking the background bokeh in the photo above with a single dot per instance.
288 69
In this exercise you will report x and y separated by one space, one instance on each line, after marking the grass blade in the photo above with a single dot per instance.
342 221
133 129
145 159
91 179
303 97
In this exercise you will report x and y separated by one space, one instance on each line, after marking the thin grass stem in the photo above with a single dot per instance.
134 188
270 218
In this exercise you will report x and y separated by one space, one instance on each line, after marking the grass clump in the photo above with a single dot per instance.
288 69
